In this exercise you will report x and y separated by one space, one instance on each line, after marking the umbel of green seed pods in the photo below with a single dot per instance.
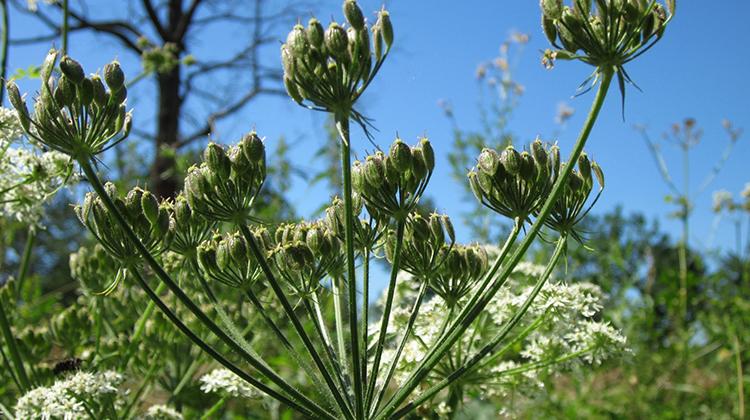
74 114
151 222
305 253
511 183
329 70
227 259
427 241
191 229
93 267
391 185
609 32
573 204
224 186
462 268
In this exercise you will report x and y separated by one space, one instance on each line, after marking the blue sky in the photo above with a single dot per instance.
698 70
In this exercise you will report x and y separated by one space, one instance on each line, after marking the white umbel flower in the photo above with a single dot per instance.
225 382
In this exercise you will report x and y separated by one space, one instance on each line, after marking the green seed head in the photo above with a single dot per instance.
72 69
114 76
511 160
400 155
384 22
150 206
315 33
296 41
336 40
353 14
552 9
217 161
488 161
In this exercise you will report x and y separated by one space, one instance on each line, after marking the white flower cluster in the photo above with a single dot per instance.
162 412
722 200
68 398
225 382
564 333
28 177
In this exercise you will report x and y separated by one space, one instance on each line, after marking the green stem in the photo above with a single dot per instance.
488 348
4 46
214 409
402 344
308 406
260 258
140 325
740 377
342 124
365 308
338 314
65 27
15 354
471 312
386 316
25 260
213 353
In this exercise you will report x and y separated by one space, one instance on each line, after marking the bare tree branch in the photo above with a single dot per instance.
154 18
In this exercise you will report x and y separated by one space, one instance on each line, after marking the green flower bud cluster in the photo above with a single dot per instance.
367 232
70 328
93 267
332 67
571 207
427 242
191 229
224 186
514 184
611 32
462 268
75 114
391 185
227 259
305 253
150 220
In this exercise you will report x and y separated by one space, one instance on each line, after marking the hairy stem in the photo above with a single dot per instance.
15 354
471 312
342 124
25 260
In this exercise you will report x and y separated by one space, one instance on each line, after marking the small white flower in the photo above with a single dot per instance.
162 412
223 381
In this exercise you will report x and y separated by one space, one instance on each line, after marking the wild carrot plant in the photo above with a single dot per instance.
456 320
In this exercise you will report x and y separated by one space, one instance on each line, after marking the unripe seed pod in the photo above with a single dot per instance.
374 171
537 150
118 96
436 228
100 93
223 256
582 8
418 165
353 14
363 46
455 262
475 187
528 168
72 69
500 173
67 91
150 207
448 226
183 214
238 249
400 155
314 239
217 161
287 61
554 153
377 42
575 182
584 166
487 161
552 8
392 174
511 160
49 62
384 21
420 228
253 148
133 202
85 92
114 76
428 154
315 33
549 28
207 257
164 224
336 40
485 181
598 173
358 176
18 103
291 90
296 41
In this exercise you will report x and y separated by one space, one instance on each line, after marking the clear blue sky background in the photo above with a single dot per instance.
698 70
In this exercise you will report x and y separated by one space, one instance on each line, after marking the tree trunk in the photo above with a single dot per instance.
164 181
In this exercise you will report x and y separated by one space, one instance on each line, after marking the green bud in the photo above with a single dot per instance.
291 90
392 174
238 249
297 41
384 22
511 160
314 239
118 96
67 91
85 92
428 154
552 9
133 202
475 187
488 161
436 228
419 228
253 148
353 14
537 150
455 262
100 93
207 257
575 182
358 176
223 256
150 207
287 61
72 69
377 42
554 153
49 62
315 33
584 166
183 214
374 170
217 161
400 155
598 173
114 76
336 40
18 103
418 165
528 168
